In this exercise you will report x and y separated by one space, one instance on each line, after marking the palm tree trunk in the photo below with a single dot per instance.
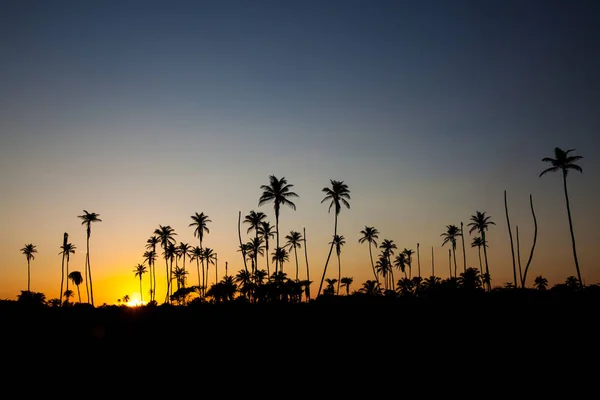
450 262
454 254
28 275
141 293
462 237
519 255
372 264
328 256
240 239
432 263
307 270
571 229
487 269
418 260
533 245
512 249
339 274
90 271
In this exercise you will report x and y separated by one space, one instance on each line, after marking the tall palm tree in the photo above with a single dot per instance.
165 236
87 220
337 194
62 275
200 222
265 230
140 270
210 257
255 219
388 246
279 192
151 246
462 240
197 254
294 241
67 250
184 251
77 279
477 242
452 232
562 161
481 223
369 235
306 282
408 253
338 241
29 250
150 258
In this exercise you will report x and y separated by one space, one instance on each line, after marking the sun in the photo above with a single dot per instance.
135 303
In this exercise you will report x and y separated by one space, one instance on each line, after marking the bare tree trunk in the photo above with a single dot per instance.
533 245
512 249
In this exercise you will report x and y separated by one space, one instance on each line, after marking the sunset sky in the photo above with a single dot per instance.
147 112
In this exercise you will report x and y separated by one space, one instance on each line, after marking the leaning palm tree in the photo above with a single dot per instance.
140 270
294 241
29 250
87 219
201 226
481 222
562 161
77 279
338 194
452 232
279 192
369 235
165 235
338 242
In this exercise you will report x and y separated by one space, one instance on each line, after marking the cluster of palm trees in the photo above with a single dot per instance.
256 283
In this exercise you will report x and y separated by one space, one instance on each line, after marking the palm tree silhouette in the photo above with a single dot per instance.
210 257
452 232
255 219
197 256
540 283
462 239
165 236
481 223
294 241
140 270
265 230
200 222
408 253
62 275
184 250
564 162
279 192
77 279
67 250
87 219
369 235
388 246
29 250
338 242
150 258
477 242
280 255
346 282
151 246
338 194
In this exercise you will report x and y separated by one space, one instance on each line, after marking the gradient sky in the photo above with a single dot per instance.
146 112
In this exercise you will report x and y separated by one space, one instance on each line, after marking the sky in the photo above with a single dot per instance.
146 112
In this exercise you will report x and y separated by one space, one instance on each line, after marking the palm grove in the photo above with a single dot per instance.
255 283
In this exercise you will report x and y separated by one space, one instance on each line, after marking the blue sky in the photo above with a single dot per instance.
147 111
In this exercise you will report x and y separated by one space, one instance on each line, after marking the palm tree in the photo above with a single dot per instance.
346 282
564 162
369 234
481 222
280 255
67 250
255 219
452 232
210 257
388 247
62 275
338 194
140 270
279 192
197 256
294 241
76 278
265 230
338 242
151 246
150 258
477 242
201 223
87 219
462 240
540 283
29 250
165 236
184 251
408 255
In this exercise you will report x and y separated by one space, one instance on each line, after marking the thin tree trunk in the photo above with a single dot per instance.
418 261
28 275
533 245
512 248
462 237
240 238
571 229
487 269
373 265
450 262
141 293
328 256
307 270
432 263
519 255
